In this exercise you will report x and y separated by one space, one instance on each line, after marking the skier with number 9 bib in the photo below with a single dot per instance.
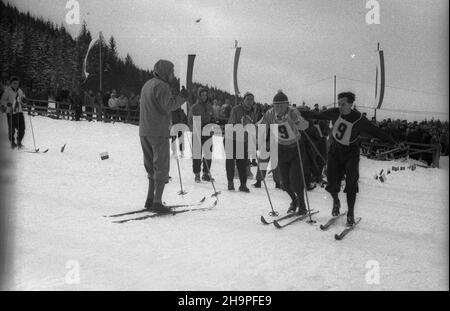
343 154
290 123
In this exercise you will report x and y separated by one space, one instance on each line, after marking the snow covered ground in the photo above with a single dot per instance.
58 232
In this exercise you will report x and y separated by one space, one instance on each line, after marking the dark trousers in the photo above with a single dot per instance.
322 148
261 173
88 110
78 112
290 171
16 122
197 163
343 161
241 165
312 169
180 137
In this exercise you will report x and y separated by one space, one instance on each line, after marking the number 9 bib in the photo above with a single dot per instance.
285 133
342 131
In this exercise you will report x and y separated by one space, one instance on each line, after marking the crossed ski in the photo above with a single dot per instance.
173 212
264 221
36 151
146 210
298 218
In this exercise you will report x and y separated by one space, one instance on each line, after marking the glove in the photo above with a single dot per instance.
184 93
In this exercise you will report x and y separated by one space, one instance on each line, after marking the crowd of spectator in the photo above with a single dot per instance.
115 105
425 132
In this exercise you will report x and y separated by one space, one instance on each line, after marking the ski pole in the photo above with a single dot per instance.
215 194
272 213
181 192
315 147
304 183
32 132
11 133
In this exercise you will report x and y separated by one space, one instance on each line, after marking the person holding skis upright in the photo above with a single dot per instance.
156 105
290 123
343 155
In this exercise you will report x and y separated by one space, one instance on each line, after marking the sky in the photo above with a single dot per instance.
292 45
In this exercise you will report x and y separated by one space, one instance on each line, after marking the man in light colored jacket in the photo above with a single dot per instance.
156 105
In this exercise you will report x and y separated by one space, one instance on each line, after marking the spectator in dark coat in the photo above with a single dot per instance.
76 104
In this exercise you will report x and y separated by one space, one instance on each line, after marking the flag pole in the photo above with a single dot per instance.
100 57
334 91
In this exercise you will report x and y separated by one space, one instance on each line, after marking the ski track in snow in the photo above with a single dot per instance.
59 201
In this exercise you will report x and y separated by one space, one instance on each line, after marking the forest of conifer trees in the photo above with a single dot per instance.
48 60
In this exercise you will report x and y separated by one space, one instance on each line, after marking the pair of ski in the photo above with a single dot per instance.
343 233
198 206
292 218
34 151
324 227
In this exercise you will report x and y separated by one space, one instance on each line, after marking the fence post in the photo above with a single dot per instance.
436 156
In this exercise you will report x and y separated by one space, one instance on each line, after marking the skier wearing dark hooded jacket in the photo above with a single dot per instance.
156 106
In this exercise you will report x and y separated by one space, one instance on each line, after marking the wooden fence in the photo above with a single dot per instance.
382 151
65 110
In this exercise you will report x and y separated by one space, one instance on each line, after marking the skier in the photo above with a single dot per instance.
343 155
156 105
202 108
11 102
243 114
290 123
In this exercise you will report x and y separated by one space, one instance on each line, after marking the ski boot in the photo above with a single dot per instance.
293 206
207 177
231 186
302 211
350 220
197 178
160 208
336 207
243 188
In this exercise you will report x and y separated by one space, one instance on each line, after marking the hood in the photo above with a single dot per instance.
162 69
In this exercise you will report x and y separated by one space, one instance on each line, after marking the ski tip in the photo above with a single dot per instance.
203 200
337 237
263 220
322 227
45 151
276 224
